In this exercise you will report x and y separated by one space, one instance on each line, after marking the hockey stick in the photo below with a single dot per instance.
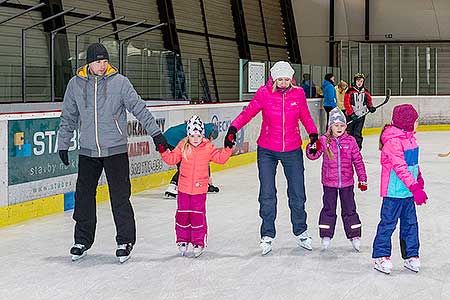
386 100
444 154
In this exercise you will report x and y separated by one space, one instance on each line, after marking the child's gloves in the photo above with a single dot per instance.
420 180
420 197
230 137
362 185
314 143
160 143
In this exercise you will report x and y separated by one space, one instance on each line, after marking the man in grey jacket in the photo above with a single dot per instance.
96 101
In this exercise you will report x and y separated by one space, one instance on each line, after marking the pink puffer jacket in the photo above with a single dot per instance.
281 112
338 172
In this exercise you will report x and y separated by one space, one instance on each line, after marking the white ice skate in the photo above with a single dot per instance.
412 263
198 250
182 247
383 264
356 243
266 245
171 192
78 251
123 252
304 240
325 243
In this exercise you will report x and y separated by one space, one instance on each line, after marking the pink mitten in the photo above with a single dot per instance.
420 197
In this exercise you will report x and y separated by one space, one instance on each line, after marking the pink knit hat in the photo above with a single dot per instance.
404 116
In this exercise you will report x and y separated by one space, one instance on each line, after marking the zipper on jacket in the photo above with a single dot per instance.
96 116
339 163
117 125
283 118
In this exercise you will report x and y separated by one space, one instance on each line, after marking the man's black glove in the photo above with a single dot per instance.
372 109
354 117
64 156
160 143
230 137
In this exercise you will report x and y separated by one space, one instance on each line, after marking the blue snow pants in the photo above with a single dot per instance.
391 210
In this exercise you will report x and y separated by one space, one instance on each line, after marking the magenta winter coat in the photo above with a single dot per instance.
338 172
281 112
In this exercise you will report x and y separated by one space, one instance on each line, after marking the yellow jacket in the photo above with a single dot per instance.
340 98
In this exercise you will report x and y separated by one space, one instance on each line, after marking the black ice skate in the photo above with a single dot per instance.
123 252
212 189
78 251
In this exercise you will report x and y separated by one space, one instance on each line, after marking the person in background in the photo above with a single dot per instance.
308 86
329 95
341 89
357 102
173 136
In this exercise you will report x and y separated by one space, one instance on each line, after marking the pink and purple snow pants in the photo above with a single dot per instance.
190 219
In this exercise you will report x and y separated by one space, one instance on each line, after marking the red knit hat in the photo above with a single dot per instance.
404 116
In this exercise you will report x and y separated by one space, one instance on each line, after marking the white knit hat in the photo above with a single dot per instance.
281 69
336 116
195 126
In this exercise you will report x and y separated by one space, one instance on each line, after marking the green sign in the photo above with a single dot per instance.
33 151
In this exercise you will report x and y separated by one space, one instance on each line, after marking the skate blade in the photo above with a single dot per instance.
123 259
411 269
78 257
169 197
382 271
266 252
196 255
309 248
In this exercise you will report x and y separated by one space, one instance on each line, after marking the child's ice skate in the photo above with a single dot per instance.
304 240
171 192
356 243
198 250
182 248
326 243
412 263
266 245
78 251
383 264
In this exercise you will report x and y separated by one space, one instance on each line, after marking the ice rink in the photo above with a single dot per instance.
36 264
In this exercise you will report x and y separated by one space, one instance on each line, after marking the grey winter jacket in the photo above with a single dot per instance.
97 105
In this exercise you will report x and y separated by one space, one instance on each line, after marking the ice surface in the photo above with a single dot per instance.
36 264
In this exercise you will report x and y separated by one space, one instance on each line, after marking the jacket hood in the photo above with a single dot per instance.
83 72
394 132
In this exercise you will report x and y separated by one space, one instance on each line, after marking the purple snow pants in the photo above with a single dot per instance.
190 219
350 218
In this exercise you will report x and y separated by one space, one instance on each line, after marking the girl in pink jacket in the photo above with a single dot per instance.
282 105
194 152
401 185
340 154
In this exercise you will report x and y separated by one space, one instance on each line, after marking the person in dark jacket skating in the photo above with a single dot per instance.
96 102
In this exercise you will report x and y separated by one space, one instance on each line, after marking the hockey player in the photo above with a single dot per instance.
357 101
402 185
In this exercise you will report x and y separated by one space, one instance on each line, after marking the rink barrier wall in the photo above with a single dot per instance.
434 112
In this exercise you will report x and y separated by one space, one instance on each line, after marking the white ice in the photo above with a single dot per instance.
35 260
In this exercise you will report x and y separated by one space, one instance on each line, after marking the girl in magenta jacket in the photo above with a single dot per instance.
401 185
340 153
282 105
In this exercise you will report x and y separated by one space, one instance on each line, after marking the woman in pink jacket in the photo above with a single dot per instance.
401 185
282 105
341 154
194 152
